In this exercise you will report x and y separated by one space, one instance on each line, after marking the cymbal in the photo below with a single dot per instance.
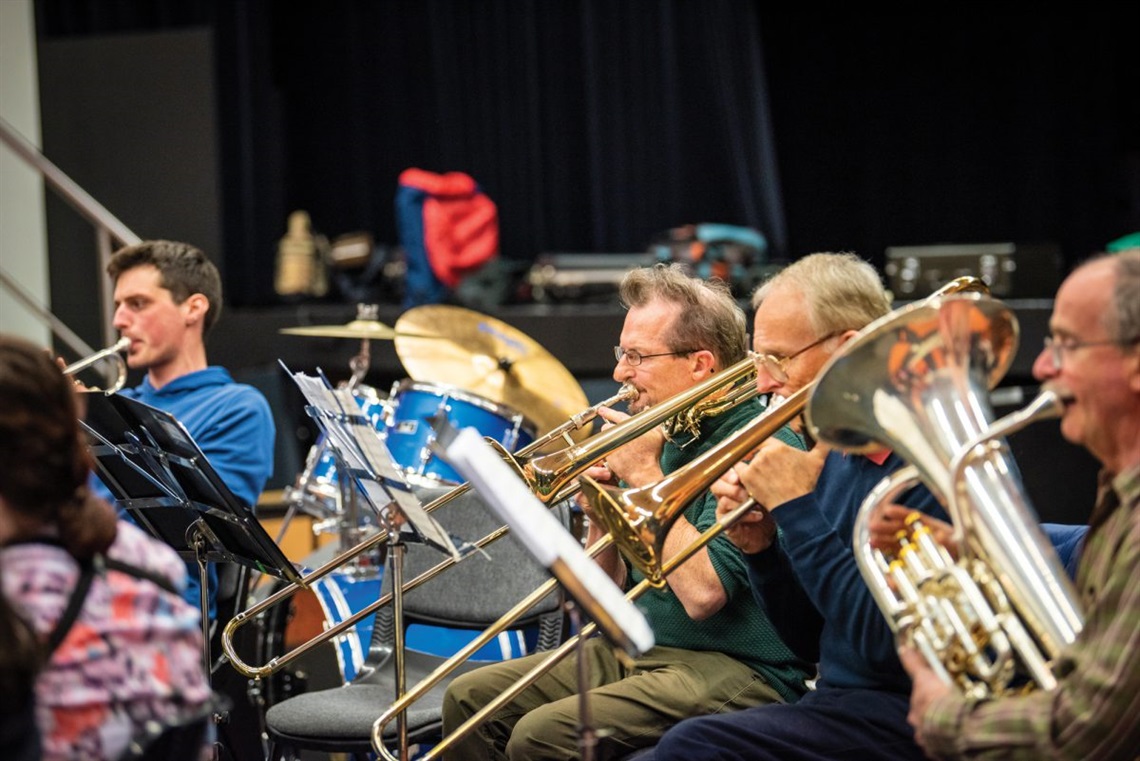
354 329
490 358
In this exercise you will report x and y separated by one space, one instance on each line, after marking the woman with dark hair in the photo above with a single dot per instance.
122 647
20 657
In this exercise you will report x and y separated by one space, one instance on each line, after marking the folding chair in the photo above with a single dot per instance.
472 594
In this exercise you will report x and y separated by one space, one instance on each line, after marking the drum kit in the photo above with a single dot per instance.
474 370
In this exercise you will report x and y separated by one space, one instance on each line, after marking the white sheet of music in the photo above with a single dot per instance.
367 457
540 532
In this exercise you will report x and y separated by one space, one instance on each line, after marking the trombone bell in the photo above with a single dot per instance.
634 528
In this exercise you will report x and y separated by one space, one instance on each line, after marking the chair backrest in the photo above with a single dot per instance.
234 582
482 587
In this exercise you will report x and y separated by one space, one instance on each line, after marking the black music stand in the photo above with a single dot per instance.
158 474
361 453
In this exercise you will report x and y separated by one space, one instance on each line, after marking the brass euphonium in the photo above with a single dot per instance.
917 382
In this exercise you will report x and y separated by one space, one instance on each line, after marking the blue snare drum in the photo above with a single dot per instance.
408 433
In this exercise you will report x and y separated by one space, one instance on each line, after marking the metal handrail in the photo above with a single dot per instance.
108 229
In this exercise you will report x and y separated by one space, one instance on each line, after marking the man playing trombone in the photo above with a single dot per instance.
716 649
858 709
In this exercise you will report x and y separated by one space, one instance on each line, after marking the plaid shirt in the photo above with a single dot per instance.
1093 714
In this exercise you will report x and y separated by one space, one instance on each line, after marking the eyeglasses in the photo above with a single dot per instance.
634 357
777 366
1058 346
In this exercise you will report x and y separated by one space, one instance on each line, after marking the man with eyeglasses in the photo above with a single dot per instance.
857 710
716 649
1092 359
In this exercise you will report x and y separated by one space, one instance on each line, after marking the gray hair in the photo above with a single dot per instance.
841 291
1123 322
1127 296
711 320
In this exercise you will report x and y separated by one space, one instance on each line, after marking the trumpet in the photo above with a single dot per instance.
112 353
550 477
638 520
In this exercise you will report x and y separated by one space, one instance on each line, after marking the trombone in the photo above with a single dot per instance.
112 353
638 520
549 477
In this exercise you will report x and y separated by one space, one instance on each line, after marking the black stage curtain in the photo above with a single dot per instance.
596 124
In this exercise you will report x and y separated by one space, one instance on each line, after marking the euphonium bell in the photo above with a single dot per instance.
917 382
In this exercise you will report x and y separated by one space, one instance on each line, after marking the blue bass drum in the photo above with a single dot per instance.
342 594
409 435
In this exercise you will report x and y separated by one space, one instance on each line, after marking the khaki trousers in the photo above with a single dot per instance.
629 708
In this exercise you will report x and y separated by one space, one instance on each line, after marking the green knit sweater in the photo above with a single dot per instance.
740 629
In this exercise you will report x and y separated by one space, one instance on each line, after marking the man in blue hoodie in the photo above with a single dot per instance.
167 297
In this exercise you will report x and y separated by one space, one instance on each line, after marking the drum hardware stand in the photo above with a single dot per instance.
298 493
361 362
361 455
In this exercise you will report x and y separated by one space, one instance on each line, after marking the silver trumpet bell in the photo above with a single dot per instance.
917 382
113 354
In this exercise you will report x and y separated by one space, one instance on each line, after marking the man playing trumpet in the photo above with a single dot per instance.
167 297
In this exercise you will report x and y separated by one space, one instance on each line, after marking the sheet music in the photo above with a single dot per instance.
542 534
381 480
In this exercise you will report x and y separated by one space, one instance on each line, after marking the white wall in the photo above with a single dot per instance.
23 236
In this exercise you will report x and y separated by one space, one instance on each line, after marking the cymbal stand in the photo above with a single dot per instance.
361 362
